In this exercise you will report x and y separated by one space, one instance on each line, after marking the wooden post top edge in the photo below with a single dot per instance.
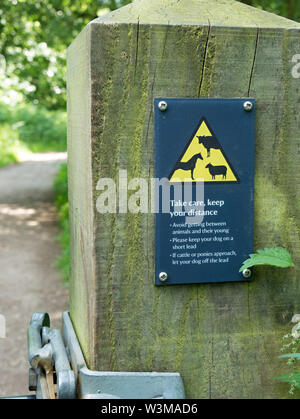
225 13
271 30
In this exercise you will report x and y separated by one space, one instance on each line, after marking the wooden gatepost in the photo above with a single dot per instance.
224 339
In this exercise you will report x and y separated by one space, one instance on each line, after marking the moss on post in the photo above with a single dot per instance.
224 339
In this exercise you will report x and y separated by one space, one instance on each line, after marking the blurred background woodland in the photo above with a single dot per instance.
34 35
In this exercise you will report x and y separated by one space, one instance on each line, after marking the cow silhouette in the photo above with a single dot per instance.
216 170
189 165
209 141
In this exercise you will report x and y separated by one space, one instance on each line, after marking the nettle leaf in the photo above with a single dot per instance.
293 378
274 256
295 356
285 378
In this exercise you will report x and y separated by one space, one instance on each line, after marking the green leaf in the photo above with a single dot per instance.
290 378
274 256
296 356
285 378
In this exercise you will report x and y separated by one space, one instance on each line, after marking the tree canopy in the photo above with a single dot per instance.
34 35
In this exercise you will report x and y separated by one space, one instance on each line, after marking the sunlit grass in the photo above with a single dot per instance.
11 148
26 128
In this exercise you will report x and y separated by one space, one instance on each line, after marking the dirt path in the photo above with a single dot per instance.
28 281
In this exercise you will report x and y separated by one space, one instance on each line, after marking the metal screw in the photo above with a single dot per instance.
162 106
163 276
247 273
248 106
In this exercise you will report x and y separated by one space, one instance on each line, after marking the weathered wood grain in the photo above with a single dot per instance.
223 338
80 191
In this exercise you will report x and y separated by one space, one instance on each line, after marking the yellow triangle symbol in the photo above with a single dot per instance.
203 159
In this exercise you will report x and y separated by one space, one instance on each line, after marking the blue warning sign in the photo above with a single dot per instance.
204 166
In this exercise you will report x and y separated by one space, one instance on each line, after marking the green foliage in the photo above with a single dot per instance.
34 35
286 8
291 356
9 145
63 260
32 127
293 379
292 346
275 256
61 186
40 129
61 201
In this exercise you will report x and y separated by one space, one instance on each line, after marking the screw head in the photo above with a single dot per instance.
248 106
162 106
163 276
247 273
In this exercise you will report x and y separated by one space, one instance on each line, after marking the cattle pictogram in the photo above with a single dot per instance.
203 159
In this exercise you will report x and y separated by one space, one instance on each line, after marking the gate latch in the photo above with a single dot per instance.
59 371
50 374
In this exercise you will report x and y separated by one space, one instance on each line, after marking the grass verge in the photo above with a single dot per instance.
62 204
10 146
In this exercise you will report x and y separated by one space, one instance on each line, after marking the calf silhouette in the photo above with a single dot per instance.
209 141
216 170
189 165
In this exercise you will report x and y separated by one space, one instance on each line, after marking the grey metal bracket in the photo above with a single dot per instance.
117 385
58 370
49 361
